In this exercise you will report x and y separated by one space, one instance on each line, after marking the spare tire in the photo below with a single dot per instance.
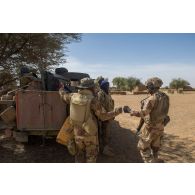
61 71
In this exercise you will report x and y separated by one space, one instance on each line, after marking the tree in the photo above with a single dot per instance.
120 83
178 83
5 77
39 50
123 83
132 82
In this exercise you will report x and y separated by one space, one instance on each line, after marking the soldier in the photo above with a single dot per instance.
85 110
99 80
154 113
108 104
27 76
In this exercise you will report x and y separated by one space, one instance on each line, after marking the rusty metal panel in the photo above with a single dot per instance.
54 111
39 110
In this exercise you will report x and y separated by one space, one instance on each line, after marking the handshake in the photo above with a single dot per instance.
126 109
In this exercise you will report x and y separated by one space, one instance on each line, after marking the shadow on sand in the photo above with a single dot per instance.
33 152
123 142
176 149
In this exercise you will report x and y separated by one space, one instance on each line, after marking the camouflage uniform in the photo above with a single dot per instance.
108 104
26 79
30 82
152 133
87 145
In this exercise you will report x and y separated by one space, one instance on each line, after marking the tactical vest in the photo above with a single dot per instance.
80 112
160 109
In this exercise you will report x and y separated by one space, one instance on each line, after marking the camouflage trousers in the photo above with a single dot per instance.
87 149
149 144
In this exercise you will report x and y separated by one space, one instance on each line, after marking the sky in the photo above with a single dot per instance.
167 56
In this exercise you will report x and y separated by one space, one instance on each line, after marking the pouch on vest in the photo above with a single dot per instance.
90 126
161 109
78 109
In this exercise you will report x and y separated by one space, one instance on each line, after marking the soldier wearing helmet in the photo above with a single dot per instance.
85 110
153 84
154 113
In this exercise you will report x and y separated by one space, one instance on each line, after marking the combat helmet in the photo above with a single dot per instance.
86 83
154 82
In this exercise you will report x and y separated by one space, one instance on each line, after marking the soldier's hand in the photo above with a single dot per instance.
126 109
118 110
135 113
61 85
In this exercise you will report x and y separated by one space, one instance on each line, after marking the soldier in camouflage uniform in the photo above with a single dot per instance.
154 113
108 104
85 110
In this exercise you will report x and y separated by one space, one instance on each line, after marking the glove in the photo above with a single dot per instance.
135 113
118 110
126 109
166 120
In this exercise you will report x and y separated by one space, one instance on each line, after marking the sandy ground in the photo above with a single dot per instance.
178 143
179 140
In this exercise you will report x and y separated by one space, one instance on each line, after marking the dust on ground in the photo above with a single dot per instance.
178 143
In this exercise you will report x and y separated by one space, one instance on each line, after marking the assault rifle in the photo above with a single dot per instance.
141 122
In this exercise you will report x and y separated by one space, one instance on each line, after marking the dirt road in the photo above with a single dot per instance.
178 143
